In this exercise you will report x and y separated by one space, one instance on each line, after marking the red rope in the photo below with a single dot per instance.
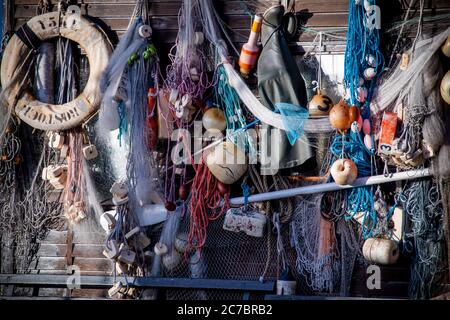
205 206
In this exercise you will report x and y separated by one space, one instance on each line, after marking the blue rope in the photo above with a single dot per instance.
245 193
358 199
361 42
123 123
228 100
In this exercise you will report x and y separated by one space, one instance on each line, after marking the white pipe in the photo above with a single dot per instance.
326 187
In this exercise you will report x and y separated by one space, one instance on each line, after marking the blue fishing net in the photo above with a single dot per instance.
294 118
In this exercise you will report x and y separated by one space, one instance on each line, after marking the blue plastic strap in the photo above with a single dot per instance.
246 193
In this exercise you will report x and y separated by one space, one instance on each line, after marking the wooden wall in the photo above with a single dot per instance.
317 14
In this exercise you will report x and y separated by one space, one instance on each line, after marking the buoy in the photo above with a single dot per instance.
199 38
56 140
46 116
214 118
344 171
361 94
181 242
173 97
183 192
360 123
160 249
145 31
119 189
227 162
90 152
250 50
172 260
170 206
194 74
340 116
445 87
366 126
108 220
320 105
368 142
371 60
369 73
387 133
353 113
117 201
380 251
446 47
405 61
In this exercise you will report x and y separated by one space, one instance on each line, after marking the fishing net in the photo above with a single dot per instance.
326 249
225 255
424 239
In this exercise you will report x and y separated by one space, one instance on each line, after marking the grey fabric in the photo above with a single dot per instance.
279 80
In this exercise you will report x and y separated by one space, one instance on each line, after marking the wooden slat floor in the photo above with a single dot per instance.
87 255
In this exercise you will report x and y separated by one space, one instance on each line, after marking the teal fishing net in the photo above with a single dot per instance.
294 118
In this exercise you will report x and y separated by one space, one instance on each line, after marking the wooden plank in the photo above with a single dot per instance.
80 250
89 293
59 237
237 7
52 250
170 22
123 10
54 236
106 282
52 292
91 264
64 272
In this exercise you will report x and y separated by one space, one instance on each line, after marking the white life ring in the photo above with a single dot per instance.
52 117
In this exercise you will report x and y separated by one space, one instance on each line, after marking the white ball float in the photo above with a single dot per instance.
145 31
344 171
214 118
380 251
160 249
227 162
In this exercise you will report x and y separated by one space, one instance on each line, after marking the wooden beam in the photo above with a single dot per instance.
60 281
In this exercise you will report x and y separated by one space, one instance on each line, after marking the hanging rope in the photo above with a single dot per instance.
205 205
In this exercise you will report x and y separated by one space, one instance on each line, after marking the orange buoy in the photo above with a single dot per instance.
353 113
250 50
320 105
340 116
